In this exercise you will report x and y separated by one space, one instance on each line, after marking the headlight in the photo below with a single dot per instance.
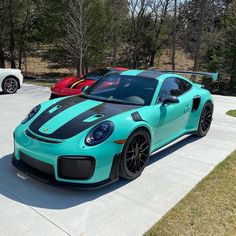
31 114
99 133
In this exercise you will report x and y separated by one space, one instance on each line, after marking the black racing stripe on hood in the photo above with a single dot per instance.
77 124
46 115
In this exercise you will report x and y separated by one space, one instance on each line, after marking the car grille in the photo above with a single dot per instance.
36 164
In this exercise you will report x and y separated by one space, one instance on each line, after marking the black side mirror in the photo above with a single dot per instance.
170 100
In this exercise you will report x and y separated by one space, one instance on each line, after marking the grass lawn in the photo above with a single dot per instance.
40 83
231 113
209 209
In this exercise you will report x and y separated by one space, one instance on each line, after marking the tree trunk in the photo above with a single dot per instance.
12 50
20 58
2 55
115 42
199 35
12 40
77 68
80 64
23 32
233 77
158 24
152 59
174 36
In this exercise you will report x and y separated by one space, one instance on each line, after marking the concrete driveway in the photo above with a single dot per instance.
28 207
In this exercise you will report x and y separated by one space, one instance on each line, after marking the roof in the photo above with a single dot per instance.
143 73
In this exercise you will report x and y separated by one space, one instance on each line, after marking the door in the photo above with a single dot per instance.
172 118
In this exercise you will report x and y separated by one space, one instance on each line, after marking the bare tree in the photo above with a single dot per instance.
12 40
23 31
174 35
199 34
160 10
2 54
79 31
140 11
118 12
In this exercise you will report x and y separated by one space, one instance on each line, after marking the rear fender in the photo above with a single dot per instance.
195 114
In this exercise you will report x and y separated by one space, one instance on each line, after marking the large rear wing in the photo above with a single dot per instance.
213 76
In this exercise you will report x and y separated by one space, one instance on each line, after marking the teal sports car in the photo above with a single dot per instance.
111 129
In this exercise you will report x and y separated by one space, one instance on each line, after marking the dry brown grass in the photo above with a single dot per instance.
40 83
38 67
183 60
209 209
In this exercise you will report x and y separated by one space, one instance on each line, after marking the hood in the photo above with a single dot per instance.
70 116
80 84
71 86
9 70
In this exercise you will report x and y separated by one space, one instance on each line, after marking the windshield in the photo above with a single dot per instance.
96 74
123 89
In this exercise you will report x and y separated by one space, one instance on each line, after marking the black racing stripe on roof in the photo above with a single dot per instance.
150 74
46 115
77 124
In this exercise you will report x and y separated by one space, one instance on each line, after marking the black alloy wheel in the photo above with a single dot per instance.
205 119
135 155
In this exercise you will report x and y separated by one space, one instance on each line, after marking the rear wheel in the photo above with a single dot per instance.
135 155
10 85
205 119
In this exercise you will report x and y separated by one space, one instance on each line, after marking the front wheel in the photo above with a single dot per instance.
10 85
205 120
135 155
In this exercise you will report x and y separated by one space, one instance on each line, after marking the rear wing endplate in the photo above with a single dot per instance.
213 76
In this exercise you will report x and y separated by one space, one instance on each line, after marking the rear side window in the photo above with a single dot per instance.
174 87
185 86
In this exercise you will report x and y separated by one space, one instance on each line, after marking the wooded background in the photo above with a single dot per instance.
82 34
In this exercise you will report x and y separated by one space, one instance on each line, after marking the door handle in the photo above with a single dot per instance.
186 109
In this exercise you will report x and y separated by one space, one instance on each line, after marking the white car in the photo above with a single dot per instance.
10 80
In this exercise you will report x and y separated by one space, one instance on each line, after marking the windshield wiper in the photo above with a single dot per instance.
118 101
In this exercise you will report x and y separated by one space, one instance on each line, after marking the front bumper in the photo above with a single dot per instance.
96 168
45 173
62 92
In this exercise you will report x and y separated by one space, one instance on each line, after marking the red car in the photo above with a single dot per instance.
73 85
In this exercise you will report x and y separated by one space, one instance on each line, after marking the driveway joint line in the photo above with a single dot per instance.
25 203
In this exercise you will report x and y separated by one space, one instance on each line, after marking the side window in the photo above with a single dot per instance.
185 86
170 86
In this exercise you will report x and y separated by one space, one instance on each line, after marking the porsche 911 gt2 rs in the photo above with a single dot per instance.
109 132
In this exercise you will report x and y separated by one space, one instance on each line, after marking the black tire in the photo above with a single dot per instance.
135 154
205 119
10 85
53 95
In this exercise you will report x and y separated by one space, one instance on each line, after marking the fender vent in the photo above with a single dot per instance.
196 103
136 116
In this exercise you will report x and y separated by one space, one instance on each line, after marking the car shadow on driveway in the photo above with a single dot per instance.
21 188
2 93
